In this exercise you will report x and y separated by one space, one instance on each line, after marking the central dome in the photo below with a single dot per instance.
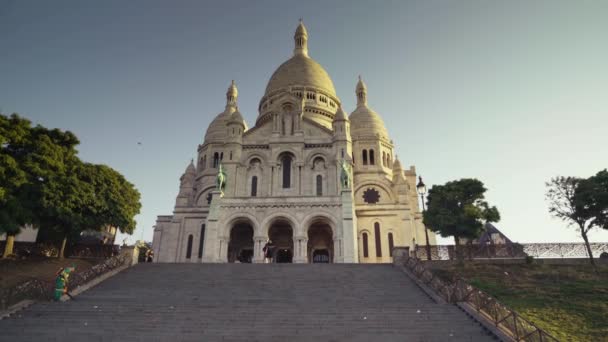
301 70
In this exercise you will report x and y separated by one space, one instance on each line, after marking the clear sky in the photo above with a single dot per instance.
509 92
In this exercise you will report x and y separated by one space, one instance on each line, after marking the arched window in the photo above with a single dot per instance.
390 244
365 250
230 155
364 157
319 185
222 156
254 186
378 240
371 157
189 249
216 160
286 165
201 242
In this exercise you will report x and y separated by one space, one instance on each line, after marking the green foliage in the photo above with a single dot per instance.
458 209
14 209
580 202
43 182
568 301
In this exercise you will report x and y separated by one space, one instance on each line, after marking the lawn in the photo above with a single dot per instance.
568 301
13 272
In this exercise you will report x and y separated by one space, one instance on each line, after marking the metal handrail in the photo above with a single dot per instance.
462 292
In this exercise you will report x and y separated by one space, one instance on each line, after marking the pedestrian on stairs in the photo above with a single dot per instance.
268 249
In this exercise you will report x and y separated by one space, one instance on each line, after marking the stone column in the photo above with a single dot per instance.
223 249
350 250
300 246
338 254
212 229
258 245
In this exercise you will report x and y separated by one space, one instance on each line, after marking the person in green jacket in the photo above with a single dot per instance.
61 282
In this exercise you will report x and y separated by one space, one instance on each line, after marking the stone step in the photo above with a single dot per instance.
247 302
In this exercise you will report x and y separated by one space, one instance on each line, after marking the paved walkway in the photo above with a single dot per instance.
245 302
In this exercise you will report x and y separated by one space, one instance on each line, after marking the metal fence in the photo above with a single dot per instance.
39 289
514 250
48 249
460 291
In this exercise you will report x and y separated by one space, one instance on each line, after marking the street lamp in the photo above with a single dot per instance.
421 188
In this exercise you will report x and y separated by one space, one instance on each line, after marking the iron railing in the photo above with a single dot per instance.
40 289
460 291
513 250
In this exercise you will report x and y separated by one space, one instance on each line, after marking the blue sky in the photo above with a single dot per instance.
509 92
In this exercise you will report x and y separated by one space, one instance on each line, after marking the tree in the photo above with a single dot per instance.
43 182
580 202
15 209
458 209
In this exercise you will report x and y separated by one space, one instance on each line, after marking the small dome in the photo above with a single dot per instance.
237 118
301 30
190 169
365 122
217 128
340 115
397 164
302 71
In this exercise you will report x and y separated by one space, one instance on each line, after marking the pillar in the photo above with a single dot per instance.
300 247
258 245
350 248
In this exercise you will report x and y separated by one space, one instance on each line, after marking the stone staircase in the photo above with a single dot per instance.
247 302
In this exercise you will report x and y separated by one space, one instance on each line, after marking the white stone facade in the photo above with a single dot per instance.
283 180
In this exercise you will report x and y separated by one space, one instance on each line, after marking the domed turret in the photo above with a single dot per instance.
301 40
236 119
186 186
340 115
303 77
364 120
216 132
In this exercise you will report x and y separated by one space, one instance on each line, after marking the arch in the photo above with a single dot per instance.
203 192
277 216
281 233
378 239
246 160
364 157
371 157
241 244
320 246
313 156
384 159
378 185
189 248
240 217
316 217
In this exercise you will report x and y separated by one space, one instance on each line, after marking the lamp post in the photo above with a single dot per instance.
421 188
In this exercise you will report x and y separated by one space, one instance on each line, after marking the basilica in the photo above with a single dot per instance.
323 186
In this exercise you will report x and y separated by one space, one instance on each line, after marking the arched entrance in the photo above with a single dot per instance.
281 235
240 247
320 243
